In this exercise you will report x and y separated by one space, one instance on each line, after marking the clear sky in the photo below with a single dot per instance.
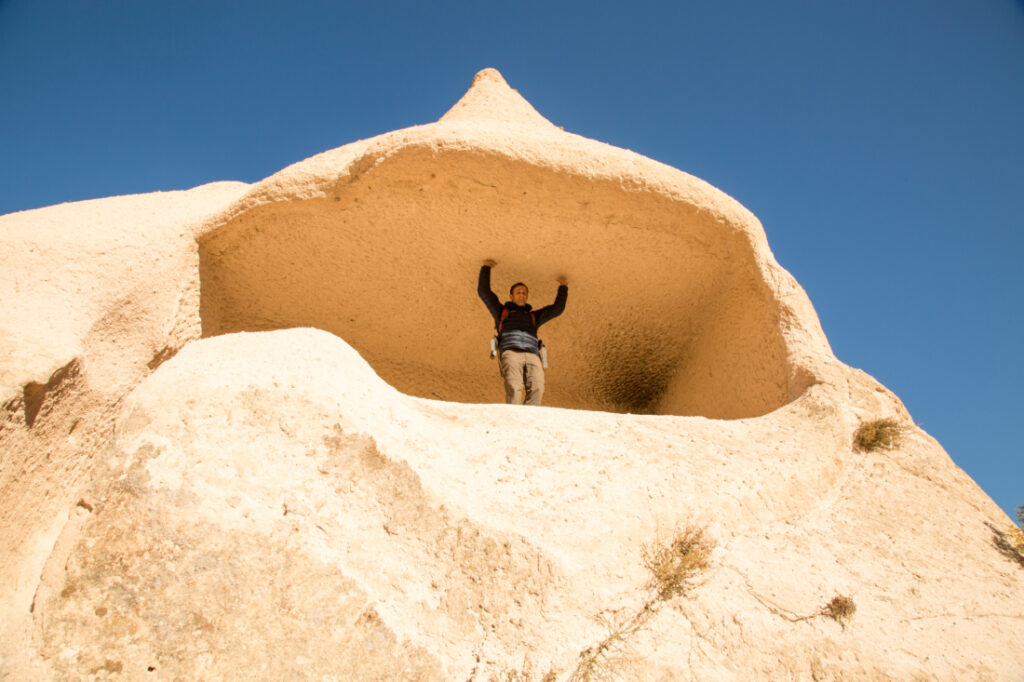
880 142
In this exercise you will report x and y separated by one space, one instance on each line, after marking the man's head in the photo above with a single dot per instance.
519 293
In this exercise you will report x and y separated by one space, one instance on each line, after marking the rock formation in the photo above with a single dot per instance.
250 432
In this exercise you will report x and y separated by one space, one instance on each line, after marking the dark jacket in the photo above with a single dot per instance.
519 318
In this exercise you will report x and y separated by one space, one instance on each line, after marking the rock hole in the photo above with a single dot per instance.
34 394
161 356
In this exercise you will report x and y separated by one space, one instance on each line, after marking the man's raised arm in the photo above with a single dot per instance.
550 312
483 290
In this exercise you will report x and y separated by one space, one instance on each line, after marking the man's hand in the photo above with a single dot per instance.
490 263
563 281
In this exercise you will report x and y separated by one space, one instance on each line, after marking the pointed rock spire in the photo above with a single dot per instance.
490 98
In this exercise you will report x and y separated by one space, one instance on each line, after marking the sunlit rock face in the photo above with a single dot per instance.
183 498
675 303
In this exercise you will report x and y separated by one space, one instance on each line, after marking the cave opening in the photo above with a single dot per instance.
667 311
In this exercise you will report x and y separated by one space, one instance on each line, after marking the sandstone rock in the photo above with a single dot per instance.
678 307
310 492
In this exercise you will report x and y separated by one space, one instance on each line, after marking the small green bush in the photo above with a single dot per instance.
881 433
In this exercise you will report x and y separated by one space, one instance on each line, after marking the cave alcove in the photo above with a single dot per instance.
668 312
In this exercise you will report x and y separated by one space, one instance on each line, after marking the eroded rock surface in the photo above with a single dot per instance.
288 498
290 515
676 306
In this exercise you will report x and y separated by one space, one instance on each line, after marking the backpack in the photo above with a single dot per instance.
504 314
494 339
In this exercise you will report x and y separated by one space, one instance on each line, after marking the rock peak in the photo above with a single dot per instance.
491 99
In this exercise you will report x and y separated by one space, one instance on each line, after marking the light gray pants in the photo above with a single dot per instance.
522 373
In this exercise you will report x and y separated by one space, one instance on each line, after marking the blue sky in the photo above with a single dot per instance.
880 142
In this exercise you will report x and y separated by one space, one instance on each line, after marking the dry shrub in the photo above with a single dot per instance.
525 674
1009 540
675 567
881 433
676 564
1016 533
840 609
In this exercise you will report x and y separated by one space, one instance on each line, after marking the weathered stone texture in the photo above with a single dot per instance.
249 432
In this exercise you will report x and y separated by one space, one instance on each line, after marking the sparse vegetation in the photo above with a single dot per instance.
878 434
840 609
1016 534
675 567
1009 540
525 674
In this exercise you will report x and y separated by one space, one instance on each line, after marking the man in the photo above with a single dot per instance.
518 346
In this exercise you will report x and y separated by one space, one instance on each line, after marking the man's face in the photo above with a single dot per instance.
519 295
